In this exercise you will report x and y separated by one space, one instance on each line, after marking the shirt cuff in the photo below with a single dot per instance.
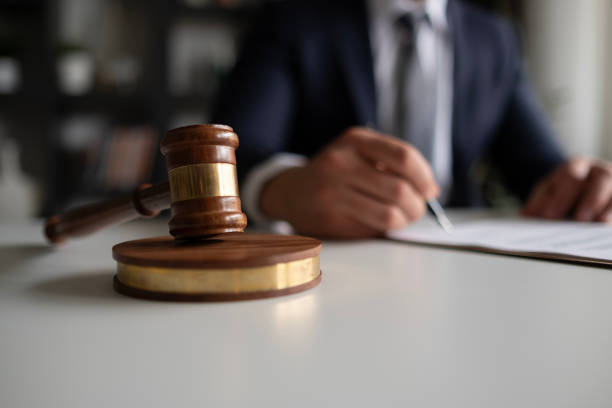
254 182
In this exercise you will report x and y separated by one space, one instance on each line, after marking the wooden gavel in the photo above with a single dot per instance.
202 191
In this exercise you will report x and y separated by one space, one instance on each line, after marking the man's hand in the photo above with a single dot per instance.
580 188
362 184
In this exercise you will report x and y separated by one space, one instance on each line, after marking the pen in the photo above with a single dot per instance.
437 211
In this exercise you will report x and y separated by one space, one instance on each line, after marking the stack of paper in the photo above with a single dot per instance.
561 240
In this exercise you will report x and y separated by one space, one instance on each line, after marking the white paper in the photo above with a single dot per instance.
531 237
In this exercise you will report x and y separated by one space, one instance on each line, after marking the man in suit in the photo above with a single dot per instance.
351 114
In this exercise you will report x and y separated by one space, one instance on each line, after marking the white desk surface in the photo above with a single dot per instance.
391 325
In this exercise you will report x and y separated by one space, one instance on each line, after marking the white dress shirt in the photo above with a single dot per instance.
434 52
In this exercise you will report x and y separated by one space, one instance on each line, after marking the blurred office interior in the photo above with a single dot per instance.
87 87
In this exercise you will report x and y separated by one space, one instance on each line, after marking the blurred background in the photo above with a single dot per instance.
87 87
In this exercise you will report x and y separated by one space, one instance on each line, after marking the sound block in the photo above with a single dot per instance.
232 266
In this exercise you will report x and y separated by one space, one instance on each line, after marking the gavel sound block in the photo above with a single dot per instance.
232 266
210 258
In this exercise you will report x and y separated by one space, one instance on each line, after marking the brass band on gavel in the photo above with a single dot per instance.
202 281
203 180
201 165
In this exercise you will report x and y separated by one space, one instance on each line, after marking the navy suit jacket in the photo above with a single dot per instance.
305 74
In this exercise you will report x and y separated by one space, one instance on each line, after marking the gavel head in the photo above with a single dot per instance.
201 163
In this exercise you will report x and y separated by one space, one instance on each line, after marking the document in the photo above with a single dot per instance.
589 243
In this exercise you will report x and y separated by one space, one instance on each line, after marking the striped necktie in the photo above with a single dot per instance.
415 107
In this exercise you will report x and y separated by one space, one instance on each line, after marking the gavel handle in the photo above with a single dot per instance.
147 201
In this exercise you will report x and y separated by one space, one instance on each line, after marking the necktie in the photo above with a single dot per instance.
415 107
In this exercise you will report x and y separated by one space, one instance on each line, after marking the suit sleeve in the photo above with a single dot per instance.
259 97
526 148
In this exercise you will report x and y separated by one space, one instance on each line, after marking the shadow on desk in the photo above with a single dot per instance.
97 285
13 255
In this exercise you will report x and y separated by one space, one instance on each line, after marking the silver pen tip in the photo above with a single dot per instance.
440 215
446 224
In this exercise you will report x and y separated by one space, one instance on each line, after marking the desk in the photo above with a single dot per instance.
391 325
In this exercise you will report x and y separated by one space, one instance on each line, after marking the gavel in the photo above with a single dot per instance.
202 191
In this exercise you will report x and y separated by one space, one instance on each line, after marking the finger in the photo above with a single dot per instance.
398 157
387 188
606 215
399 193
371 213
557 194
596 196
565 192
537 199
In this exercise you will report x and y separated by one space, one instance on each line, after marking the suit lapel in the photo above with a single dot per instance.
461 84
464 146
352 43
